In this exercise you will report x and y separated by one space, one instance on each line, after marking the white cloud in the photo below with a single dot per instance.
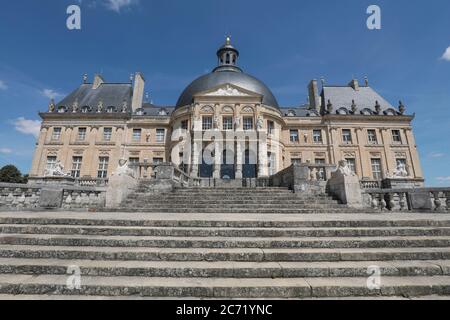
3 85
436 155
443 179
25 126
5 151
51 94
446 55
118 5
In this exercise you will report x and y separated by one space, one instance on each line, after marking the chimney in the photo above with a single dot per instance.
314 98
354 84
98 81
138 91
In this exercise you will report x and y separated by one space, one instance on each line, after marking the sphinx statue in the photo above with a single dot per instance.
344 169
123 169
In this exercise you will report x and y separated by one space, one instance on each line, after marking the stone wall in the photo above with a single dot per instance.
35 197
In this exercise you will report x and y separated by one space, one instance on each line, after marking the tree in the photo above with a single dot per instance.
10 174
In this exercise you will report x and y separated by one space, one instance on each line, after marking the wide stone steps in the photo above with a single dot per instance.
224 269
222 232
223 210
224 256
225 287
224 242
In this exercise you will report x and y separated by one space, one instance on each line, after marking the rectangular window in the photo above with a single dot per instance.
351 164
296 161
107 134
376 169
160 135
270 127
207 123
76 167
137 133
157 161
396 136
184 124
372 135
347 136
227 123
82 134
317 136
294 136
248 123
56 136
103 163
134 165
51 162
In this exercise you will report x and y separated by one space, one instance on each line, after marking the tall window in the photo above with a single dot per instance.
184 124
317 136
396 136
56 136
103 163
51 162
82 134
351 164
248 123
137 133
207 122
347 136
270 127
107 134
227 123
376 168
160 135
372 135
294 136
76 167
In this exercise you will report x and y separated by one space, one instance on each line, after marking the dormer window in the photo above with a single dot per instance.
85 109
163 112
110 109
291 113
140 112
62 109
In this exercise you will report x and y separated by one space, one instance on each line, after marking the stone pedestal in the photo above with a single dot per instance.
119 188
347 189
402 183
51 181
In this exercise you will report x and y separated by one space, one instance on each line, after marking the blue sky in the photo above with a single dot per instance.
284 43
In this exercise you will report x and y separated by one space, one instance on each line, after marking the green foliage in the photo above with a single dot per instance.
10 174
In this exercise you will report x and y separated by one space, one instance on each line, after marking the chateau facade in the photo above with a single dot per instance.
225 125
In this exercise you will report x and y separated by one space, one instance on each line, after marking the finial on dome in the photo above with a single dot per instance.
228 40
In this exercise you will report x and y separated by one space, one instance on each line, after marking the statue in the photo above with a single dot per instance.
329 107
124 106
377 107
51 106
344 169
260 122
123 169
354 107
401 108
75 106
100 106
56 171
400 171
216 122
237 121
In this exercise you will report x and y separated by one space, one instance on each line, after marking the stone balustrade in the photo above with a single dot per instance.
35 196
421 199
370 184
91 182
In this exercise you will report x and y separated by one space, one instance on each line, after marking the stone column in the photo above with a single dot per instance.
390 161
217 160
195 159
416 168
262 155
239 158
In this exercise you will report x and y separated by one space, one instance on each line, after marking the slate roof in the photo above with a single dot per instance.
111 94
365 98
299 111
153 110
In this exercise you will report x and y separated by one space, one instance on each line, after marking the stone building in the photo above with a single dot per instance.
226 125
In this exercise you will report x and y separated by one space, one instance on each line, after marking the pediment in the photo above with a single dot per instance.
228 90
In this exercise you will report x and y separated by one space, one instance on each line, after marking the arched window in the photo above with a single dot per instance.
227 59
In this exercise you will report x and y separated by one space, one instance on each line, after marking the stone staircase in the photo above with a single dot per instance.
157 255
230 200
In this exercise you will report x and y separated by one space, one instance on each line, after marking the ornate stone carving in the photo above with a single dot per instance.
207 109
260 123
247 110
227 109
123 169
124 106
100 106
227 91
237 121
399 172
56 171
51 106
344 169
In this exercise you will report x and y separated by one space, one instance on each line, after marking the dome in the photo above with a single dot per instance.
218 78
227 72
